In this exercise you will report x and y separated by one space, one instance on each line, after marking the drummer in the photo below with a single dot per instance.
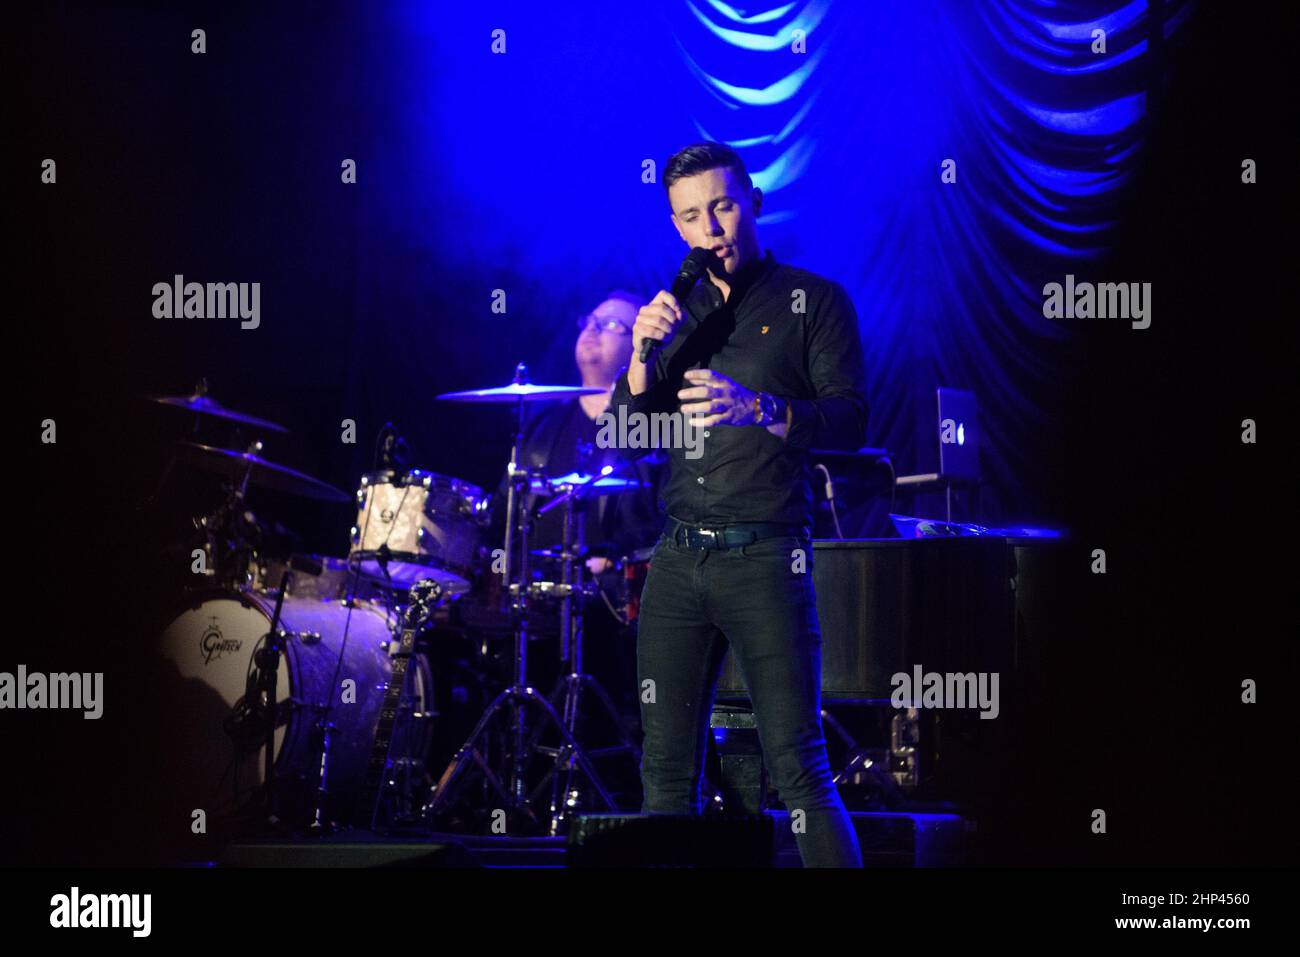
562 439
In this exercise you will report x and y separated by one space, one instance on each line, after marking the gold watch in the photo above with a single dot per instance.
768 409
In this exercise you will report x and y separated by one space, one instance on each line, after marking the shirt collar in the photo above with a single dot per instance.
750 277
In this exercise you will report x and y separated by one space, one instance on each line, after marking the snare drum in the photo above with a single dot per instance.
417 524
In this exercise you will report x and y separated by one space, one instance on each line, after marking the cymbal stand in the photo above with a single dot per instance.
230 547
571 685
516 699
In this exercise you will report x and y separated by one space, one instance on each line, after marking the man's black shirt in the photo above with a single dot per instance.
784 331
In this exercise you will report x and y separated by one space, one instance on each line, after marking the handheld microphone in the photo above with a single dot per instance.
692 268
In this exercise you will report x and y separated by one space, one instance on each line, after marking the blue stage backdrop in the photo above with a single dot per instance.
525 171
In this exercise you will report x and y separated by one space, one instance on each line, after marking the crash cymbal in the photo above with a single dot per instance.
200 403
520 390
260 471
515 391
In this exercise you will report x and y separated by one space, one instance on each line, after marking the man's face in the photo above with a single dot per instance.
602 350
713 210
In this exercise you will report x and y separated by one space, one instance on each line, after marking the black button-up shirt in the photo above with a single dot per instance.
784 331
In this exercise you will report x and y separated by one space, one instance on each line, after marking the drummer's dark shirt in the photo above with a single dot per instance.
561 439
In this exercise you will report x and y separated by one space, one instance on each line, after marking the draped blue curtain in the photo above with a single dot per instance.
847 114
1041 131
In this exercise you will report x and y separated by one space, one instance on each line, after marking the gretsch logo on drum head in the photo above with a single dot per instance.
214 644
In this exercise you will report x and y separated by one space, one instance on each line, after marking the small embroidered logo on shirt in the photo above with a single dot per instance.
765 328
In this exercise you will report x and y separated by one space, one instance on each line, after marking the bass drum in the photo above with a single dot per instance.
211 646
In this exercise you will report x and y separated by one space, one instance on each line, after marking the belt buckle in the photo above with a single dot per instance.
707 535
717 536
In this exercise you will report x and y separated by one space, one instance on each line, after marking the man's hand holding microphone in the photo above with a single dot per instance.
709 397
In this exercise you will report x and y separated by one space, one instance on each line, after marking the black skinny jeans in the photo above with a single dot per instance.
695 602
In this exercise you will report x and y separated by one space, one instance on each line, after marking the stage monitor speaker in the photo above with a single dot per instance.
348 854
671 840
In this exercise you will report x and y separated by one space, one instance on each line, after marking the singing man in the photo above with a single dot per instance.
767 361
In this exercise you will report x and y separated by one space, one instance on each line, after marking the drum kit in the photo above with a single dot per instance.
317 674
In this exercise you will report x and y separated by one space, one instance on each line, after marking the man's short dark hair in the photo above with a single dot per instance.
625 296
700 157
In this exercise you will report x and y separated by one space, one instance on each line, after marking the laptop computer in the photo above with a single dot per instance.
958 435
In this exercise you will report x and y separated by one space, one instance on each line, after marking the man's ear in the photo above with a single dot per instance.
758 202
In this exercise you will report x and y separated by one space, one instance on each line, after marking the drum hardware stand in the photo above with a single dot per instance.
519 695
268 673
862 760
381 775
324 727
571 685
225 536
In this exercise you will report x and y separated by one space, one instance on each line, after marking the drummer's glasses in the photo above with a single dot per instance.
603 324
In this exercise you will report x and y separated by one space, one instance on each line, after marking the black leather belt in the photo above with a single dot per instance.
728 536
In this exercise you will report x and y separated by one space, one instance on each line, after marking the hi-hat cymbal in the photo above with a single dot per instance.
603 485
200 403
261 472
515 391
556 553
